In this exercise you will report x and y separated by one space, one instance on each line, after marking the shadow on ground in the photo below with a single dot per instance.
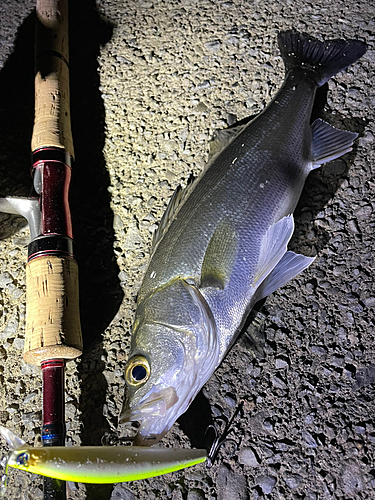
100 291
16 123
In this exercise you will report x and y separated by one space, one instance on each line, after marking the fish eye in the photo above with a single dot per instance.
137 371
22 459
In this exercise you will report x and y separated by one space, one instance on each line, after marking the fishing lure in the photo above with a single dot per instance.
98 464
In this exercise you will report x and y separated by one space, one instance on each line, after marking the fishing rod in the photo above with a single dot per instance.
53 331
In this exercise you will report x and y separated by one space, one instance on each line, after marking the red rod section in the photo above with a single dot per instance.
53 431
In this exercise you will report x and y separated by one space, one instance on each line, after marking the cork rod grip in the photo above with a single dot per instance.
52 127
52 312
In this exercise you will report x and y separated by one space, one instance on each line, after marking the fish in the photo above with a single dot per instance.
222 244
99 464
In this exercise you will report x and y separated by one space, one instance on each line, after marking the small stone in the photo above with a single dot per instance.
364 213
123 277
268 425
133 239
246 456
213 45
337 361
266 483
232 40
309 419
277 382
359 429
29 398
5 279
109 376
310 495
231 486
293 481
170 146
352 226
229 399
369 301
318 349
309 440
250 103
121 493
201 108
151 201
19 343
29 419
10 330
70 411
195 494
117 222
281 364
28 369
350 480
204 85
365 377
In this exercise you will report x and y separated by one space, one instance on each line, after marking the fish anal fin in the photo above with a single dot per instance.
273 247
288 268
329 143
219 257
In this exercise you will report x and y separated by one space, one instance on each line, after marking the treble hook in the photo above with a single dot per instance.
221 438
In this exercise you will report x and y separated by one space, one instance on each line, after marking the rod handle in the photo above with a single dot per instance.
53 327
52 126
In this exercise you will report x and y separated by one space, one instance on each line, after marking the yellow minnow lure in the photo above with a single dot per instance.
96 464
103 464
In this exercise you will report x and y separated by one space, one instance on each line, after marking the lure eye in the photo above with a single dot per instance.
137 371
22 459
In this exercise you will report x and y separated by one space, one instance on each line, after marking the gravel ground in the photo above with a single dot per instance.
151 82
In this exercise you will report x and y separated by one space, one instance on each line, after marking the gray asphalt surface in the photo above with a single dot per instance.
151 82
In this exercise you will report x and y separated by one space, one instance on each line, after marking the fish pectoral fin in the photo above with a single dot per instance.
273 248
329 143
288 268
219 257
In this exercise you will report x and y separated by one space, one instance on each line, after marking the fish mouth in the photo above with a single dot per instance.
155 416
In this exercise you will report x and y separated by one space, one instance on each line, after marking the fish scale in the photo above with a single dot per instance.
222 244
226 178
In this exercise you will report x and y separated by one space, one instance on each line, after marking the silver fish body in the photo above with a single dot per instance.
222 244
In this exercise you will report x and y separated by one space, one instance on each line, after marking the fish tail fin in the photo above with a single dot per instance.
323 59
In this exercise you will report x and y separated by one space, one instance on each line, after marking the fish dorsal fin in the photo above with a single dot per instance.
288 268
177 198
273 248
219 257
222 138
329 143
